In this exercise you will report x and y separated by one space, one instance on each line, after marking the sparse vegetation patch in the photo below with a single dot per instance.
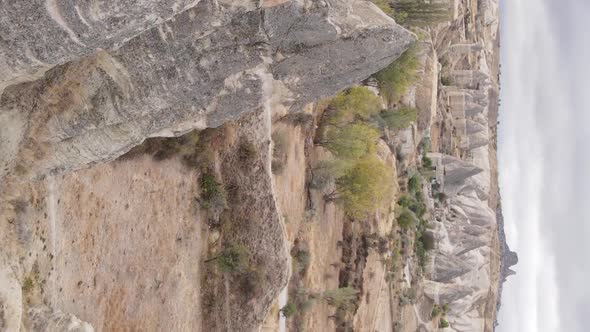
396 78
400 118
213 194
234 259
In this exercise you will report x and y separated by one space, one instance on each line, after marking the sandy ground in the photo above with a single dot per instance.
127 246
290 182
374 312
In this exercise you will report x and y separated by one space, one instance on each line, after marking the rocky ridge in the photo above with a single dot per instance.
464 272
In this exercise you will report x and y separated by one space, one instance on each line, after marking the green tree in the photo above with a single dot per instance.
443 324
400 118
355 103
365 187
406 219
326 171
353 141
395 79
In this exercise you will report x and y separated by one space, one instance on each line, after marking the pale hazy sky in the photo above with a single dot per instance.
544 156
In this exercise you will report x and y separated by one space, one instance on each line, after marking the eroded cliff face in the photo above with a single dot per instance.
165 70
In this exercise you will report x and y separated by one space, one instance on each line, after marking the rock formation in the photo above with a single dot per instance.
461 264
111 80
472 258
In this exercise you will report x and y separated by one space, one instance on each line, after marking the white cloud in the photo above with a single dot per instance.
530 81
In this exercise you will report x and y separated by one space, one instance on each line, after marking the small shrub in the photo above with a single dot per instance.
443 324
27 285
446 81
425 145
365 187
405 201
413 203
421 253
396 78
301 260
289 310
384 6
406 219
435 311
415 184
400 17
234 259
408 297
353 141
321 178
427 163
213 194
